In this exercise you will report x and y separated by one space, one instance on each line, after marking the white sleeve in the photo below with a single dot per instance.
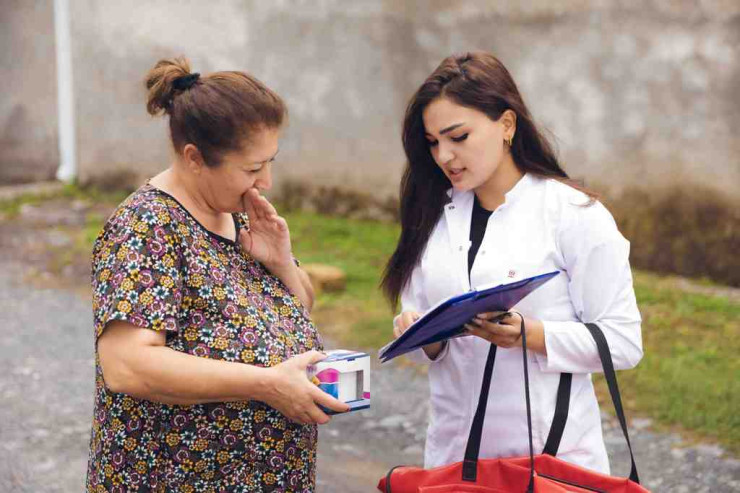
596 259
413 299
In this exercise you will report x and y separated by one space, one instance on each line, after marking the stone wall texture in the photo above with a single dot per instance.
634 92
28 93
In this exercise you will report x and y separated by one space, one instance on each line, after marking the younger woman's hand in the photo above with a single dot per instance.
403 322
291 392
268 236
499 328
503 329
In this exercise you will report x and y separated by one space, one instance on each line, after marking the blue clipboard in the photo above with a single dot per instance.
446 320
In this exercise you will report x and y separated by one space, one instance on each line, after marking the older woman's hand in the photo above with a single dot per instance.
268 241
291 392
268 236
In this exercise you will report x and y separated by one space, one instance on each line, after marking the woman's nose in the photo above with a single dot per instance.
264 178
444 153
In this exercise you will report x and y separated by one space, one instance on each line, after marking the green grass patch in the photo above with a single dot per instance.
359 316
688 379
690 374
11 208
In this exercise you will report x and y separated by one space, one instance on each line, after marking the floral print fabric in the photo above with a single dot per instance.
156 267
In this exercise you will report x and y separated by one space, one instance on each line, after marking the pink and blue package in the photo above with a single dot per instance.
345 375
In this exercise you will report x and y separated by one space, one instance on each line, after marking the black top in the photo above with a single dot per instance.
478 223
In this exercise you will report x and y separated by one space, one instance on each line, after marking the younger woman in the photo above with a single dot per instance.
484 201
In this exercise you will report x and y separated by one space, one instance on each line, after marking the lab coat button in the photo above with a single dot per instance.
460 248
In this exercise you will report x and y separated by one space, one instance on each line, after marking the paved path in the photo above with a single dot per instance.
46 389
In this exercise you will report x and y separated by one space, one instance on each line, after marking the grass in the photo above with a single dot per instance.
358 316
688 379
11 208
690 374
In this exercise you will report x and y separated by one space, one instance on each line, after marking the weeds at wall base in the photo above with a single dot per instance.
688 231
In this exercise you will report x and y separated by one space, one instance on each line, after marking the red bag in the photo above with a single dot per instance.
543 473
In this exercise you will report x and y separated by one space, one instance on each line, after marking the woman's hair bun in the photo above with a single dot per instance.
217 113
159 83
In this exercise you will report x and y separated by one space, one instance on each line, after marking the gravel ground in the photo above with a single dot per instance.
46 390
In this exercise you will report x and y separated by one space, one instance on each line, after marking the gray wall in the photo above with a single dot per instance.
28 112
636 92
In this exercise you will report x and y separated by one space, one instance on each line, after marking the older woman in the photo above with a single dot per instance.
201 312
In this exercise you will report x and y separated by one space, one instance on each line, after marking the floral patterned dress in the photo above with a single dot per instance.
156 267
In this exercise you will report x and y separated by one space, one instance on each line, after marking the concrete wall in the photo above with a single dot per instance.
28 112
339 65
636 92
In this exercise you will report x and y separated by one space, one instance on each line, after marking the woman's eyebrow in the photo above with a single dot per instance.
268 159
448 129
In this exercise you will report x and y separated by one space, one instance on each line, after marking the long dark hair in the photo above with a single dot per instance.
476 80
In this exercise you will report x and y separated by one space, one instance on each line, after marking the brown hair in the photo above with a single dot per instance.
217 113
476 80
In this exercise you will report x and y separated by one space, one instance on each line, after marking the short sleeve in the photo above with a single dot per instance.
136 268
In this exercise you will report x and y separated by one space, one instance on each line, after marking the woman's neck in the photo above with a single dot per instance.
173 181
492 193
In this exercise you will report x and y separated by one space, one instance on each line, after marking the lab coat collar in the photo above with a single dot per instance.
519 188
457 213
461 198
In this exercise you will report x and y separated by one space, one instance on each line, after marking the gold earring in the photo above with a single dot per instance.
509 141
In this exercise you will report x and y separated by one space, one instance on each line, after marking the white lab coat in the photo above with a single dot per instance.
541 227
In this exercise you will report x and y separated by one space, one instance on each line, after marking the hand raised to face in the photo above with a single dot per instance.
267 239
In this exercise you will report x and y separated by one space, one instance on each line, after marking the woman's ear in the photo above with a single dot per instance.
193 158
508 120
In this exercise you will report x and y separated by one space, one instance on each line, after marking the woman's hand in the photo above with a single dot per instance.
268 241
503 329
402 324
291 392
268 238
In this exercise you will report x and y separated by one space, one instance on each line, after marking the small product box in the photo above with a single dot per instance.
345 375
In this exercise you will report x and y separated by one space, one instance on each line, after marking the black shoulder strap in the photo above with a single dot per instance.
611 380
561 415
470 463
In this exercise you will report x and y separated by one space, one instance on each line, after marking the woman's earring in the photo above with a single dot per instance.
509 141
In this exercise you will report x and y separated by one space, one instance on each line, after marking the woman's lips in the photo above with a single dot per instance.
456 175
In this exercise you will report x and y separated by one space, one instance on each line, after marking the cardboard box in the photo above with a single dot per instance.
345 375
